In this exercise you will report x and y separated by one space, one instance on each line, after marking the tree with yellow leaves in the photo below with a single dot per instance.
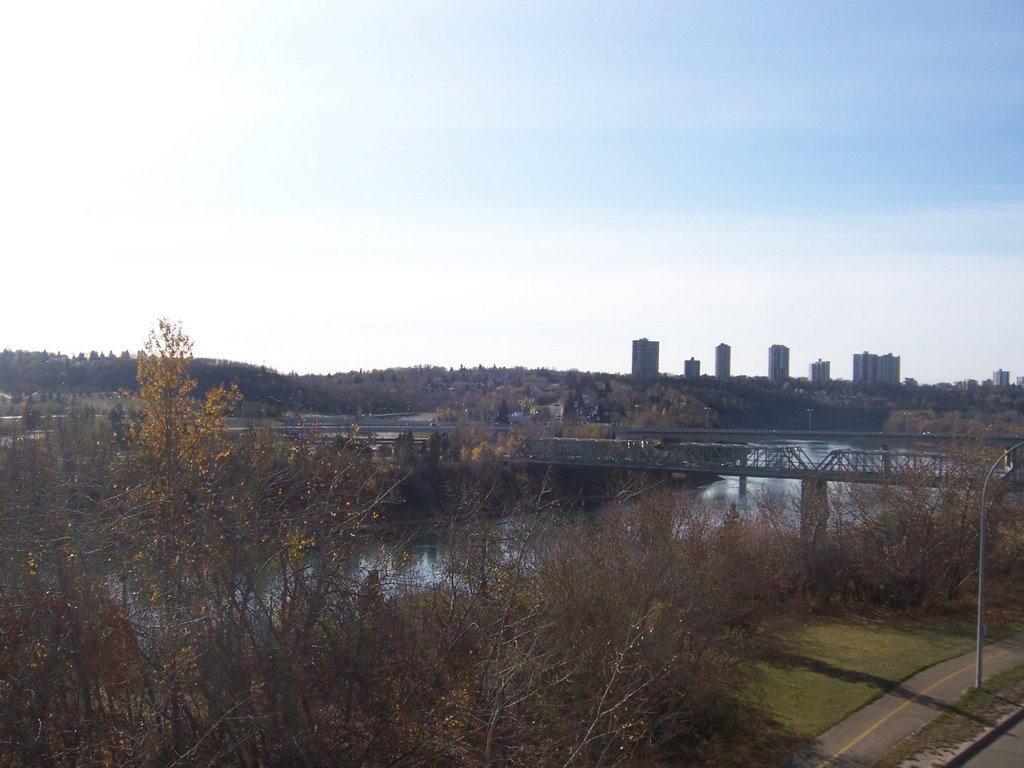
172 519
171 493
177 431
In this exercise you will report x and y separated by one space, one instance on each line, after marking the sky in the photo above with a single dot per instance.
332 186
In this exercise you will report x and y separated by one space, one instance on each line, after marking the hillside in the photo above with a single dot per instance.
52 383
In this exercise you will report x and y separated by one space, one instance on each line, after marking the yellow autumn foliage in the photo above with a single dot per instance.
177 432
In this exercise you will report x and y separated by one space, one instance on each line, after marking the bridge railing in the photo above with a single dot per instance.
781 458
884 463
736 459
729 458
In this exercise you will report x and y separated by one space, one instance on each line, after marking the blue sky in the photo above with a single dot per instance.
326 186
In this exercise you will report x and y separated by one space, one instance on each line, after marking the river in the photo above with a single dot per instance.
744 493
424 550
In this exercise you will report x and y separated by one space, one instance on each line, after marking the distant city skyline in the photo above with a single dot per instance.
865 368
323 187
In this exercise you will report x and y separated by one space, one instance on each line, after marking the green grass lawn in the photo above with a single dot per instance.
827 668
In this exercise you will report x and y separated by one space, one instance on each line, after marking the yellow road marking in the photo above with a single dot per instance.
868 731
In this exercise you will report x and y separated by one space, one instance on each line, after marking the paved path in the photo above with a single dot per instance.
867 734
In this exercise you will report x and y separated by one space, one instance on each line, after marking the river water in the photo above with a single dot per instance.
745 493
423 551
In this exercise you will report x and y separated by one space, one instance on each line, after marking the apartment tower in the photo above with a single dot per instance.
869 369
723 361
778 363
821 373
645 360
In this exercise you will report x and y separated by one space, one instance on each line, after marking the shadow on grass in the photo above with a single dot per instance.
764 743
881 684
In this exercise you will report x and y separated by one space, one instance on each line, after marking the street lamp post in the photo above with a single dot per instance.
981 560
810 417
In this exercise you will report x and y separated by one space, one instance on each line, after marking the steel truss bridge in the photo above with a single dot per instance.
779 461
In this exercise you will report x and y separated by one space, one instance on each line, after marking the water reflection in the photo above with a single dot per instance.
745 492
411 559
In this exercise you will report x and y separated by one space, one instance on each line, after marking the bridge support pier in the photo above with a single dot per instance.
813 507
743 485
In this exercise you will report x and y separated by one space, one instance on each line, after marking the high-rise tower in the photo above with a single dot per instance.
723 361
645 359
820 372
778 363
872 369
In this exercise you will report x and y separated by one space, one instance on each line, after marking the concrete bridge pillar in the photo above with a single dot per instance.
813 507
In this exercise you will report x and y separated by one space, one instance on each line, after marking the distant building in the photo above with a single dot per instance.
723 361
778 363
645 359
691 369
820 372
865 368
869 369
1001 378
889 369
1020 381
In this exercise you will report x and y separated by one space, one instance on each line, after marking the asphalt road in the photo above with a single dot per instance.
1007 751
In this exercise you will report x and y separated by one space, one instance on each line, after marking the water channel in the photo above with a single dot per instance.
745 493
424 550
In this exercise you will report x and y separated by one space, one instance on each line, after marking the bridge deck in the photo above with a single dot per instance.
778 461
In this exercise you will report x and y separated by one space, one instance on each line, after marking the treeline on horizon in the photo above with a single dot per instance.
54 382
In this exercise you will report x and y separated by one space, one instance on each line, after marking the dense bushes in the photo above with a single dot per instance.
189 599
229 612
231 617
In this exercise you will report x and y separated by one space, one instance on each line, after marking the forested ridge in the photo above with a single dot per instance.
53 382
